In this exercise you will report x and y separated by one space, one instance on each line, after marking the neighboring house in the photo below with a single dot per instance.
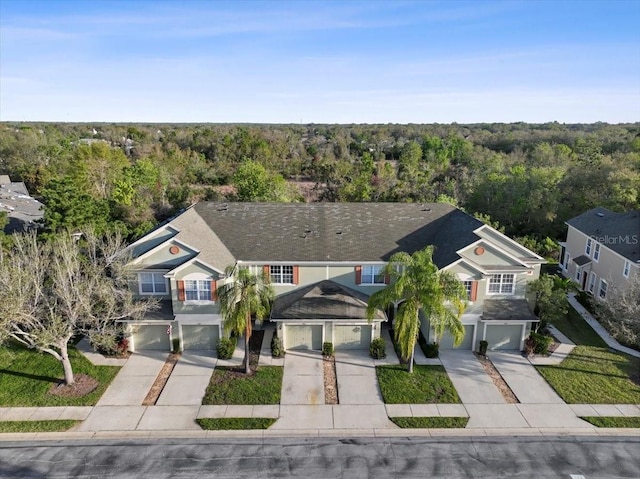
23 211
324 260
602 250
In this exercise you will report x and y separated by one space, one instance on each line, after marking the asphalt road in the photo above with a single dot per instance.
564 457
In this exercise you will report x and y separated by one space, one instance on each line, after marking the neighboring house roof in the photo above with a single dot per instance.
620 232
349 232
507 310
321 301
23 210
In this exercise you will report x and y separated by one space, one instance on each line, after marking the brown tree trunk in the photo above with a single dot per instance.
413 350
247 337
66 364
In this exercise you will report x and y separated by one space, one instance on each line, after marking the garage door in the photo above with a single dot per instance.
304 337
446 342
352 337
196 336
505 336
151 336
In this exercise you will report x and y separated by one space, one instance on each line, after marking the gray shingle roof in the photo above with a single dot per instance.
619 232
323 300
24 212
349 232
507 310
582 260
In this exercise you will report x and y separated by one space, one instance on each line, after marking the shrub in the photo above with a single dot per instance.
327 349
431 350
277 348
176 345
529 346
226 347
483 347
376 349
541 343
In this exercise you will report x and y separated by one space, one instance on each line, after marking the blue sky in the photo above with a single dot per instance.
320 62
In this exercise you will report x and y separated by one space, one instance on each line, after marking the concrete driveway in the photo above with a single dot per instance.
357 381
189 380
303 378
473 384
523 378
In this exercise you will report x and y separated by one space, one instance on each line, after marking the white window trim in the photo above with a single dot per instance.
281 274
602 281
373 276
591 286
197 301
596 252
588 247
578 273
567 261
626 269
468 290
513 284
154 292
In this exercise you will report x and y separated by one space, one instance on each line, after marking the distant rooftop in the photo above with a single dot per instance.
23 210
620 232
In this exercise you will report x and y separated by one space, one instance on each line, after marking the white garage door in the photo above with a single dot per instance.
151 336
197 336
352 336
504 336
304 337
446 342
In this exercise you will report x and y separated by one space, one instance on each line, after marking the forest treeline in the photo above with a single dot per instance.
526 178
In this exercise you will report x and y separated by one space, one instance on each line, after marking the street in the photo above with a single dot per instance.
503 457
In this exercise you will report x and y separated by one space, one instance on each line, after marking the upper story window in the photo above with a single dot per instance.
596 252
567 258
152 283
281 274
587 249
626 269
372 274
197 290
501 283
602 292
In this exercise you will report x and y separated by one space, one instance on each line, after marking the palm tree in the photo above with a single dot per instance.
246 295
417 285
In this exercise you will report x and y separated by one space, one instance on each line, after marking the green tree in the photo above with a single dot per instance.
244 296
254 183
67 207
419 286
550 299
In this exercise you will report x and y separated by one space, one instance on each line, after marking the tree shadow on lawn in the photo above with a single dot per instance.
30 376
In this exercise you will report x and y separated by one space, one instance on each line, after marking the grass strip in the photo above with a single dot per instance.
613 421
235 423
430 422
57 425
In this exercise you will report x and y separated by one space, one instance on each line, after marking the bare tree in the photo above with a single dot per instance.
51 291
620 312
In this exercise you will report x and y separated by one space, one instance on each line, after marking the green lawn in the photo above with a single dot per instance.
228 386
429 422
613 421
26 377
37 426
426 385
592 374
227 423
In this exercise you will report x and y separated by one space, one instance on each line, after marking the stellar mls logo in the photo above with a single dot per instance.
619 239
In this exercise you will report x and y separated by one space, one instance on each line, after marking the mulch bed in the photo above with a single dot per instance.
161 380
330 381
497 379
82 386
